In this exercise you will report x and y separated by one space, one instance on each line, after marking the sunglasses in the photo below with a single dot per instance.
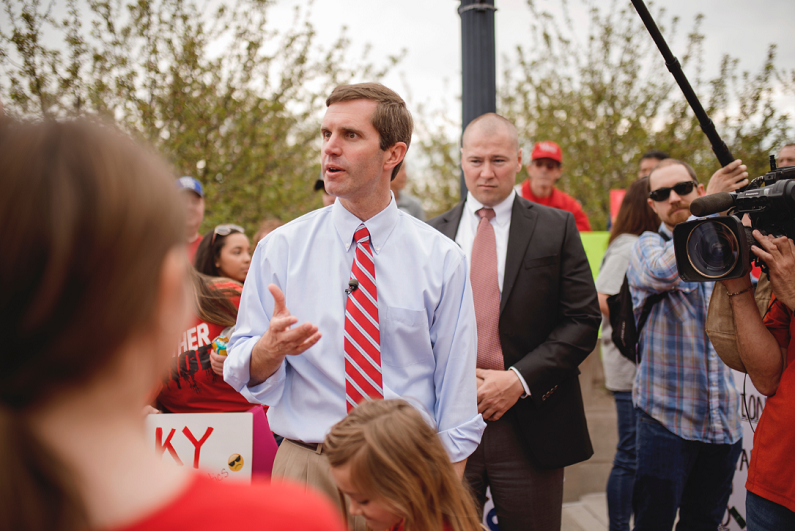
661 194
225 230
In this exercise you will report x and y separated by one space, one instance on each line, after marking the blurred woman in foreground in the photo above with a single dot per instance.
94 298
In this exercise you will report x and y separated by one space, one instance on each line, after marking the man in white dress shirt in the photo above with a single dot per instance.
406 323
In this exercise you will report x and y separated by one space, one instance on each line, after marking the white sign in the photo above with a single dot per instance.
219 444
489 514
753 402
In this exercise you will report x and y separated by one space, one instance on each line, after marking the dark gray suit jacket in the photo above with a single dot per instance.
549 320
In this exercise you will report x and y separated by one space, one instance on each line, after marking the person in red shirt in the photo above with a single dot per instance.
93 302
767 352
195 381
545 168
192 195
395 473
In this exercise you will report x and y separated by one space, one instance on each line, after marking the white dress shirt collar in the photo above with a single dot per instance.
380 226
502 211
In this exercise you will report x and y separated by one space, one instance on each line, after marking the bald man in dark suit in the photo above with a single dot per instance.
538 318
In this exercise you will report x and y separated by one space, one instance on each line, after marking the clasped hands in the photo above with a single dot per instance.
498 391
280 340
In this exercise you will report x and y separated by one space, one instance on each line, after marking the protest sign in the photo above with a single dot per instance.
752 406
220 444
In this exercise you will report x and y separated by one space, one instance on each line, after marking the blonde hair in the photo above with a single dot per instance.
396 456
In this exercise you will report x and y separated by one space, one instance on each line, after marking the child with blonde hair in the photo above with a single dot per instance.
395 472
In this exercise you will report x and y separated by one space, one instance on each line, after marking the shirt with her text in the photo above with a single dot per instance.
191 386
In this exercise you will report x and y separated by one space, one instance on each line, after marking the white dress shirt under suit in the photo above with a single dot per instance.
426 319
501 223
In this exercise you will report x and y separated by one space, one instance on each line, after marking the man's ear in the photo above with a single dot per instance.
653 206
519 161
395 154
701 190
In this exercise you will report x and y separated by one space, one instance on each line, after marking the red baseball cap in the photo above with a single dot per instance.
547 150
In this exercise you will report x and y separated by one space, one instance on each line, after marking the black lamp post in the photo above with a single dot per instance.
479 90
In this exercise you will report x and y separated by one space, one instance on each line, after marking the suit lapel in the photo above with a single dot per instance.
450 220
523 223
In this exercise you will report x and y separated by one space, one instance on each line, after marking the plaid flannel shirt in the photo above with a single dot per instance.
680 381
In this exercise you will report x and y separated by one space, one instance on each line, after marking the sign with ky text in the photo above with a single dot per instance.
220 444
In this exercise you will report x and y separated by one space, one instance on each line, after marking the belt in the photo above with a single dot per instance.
315 447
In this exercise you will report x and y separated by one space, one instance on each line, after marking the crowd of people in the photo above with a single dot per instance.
406 366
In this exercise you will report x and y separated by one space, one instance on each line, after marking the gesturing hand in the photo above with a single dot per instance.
497 392
279 340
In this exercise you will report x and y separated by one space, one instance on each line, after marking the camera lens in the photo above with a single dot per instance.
713 249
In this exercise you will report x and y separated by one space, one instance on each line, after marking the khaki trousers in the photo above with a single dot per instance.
311 467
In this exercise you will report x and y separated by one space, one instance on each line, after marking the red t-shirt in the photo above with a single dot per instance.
772 469
191 385
192 246
561 200
207 505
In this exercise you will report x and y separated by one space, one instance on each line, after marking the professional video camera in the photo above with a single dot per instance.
719 248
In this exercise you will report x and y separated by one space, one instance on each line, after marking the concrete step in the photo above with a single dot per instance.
596 504
576 517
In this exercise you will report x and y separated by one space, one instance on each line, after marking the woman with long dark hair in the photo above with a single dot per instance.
224 252
94 297
634 218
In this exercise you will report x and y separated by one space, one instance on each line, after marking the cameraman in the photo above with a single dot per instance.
688 430
767 350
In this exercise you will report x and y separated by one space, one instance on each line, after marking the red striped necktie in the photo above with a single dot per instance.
362 337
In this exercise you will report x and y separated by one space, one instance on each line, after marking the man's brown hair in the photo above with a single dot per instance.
391 118
674 162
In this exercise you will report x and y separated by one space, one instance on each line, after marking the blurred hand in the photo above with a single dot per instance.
498 392
728 178
217 363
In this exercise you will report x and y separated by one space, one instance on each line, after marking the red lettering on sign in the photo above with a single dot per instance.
197 445
161 446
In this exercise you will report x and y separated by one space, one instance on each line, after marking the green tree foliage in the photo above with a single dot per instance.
606 98
224 96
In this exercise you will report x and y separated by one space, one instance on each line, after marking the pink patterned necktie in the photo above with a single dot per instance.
486 292
363 379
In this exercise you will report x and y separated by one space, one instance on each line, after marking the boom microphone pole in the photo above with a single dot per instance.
719 147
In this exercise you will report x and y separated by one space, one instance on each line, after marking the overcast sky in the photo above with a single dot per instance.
430 31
